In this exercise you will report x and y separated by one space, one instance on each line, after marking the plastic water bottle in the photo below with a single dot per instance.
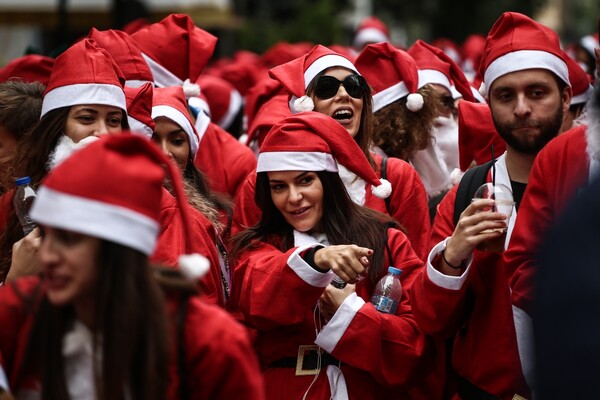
388 292
22 201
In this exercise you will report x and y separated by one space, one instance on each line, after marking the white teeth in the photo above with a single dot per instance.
342 114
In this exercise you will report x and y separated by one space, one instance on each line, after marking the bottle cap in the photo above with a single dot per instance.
394 271
25 180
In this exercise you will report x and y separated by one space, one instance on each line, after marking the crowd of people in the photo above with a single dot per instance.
195 216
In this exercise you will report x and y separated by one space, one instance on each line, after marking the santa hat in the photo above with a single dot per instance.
590 43
516 43
274 110
28 68
297 74
243 71
472 50
135 25
112 190
311 141
392 73
580 82
125 53
139 109
370 30
449 47
176 50
170 102
84 74
224 101
282 52
435 66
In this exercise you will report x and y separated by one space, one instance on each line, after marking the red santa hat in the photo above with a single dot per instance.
435 66
125 53
590 43
370 30
515 43
274 110
84 74
170 102
224 101
472 50
449 47
392 73
282 52
139 109
176 50
312 141
297 74
112 190
580 82
28 68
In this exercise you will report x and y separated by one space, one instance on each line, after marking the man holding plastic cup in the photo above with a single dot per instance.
464 295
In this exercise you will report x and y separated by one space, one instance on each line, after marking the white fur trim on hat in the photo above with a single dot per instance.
84 93
235 104
389 95
136 83
477 94
193 266
382 191
95 218
304 103
179 118
369 35
322 63
414 102
583 97
433 76
139 127
199 105
589 43
190 89
295 161
521 60
162 76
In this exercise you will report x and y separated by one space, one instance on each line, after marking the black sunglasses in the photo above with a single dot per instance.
327 86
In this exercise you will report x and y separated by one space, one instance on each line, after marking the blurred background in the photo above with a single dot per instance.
48 26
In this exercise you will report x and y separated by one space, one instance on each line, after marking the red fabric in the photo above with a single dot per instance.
476 134
225 161
478 316
220 362
28 68
5 208
408 203
559 170
383 355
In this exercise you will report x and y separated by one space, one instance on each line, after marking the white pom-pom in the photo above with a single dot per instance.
190 89
414 102
301 104
456 175
193 266
482 90
382 191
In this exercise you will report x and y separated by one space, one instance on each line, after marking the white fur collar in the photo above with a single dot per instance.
308 239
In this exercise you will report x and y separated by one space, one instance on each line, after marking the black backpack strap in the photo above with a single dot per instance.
387 200
469 183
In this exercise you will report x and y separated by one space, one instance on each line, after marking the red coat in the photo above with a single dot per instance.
559 170
223 159
474 309
220 362
383 355
171 244
408 203
5 208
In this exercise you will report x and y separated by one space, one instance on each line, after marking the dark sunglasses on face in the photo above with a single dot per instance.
328 86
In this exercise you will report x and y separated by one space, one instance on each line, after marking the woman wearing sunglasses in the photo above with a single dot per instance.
329 83
318 341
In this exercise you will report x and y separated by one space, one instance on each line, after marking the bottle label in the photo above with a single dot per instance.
384 304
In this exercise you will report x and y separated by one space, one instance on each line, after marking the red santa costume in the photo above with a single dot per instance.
176 51
218 360
369 355
408 200
477 308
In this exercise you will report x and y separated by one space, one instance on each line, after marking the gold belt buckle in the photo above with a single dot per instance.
300 360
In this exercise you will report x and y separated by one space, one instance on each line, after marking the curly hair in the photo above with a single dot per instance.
400 132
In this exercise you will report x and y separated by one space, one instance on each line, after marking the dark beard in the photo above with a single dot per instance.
549 129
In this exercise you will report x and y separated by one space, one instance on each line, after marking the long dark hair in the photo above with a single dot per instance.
365 131
130 327
33 151
344 222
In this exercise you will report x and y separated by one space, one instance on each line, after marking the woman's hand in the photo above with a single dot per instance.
347 261
24 256
476 225
332 298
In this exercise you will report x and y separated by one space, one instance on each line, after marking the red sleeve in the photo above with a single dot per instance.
245 211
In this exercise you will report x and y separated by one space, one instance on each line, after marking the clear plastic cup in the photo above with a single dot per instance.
503 203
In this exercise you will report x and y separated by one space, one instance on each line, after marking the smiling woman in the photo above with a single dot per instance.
310 231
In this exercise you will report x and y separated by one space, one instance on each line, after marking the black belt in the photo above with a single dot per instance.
468 391
307 362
